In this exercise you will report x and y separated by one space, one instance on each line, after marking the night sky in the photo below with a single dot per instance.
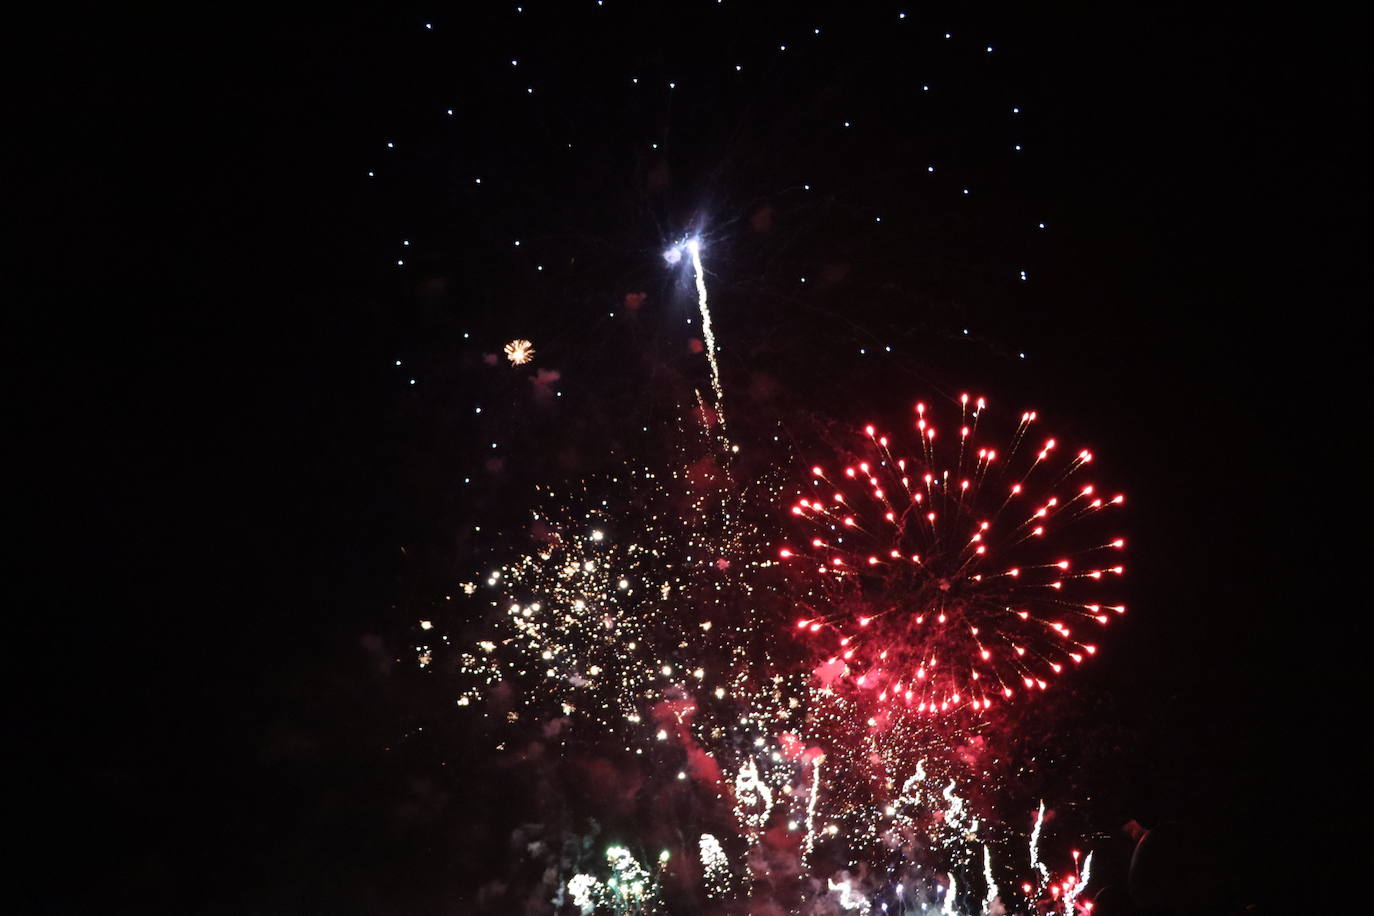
241 503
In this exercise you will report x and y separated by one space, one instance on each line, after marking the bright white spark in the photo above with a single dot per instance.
1035 848
991 898
811 808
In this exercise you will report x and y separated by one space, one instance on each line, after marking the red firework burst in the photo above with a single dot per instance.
944 574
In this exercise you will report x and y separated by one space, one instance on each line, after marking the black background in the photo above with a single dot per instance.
222 468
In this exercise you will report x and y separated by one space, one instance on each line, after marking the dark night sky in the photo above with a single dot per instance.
225 465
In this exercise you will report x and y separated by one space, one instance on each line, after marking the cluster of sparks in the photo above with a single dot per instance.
941 573
519 351
653 609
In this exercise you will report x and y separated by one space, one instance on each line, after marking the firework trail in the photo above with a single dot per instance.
694 248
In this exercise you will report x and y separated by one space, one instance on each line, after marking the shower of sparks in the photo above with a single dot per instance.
519 351
947 577
715 867
646 613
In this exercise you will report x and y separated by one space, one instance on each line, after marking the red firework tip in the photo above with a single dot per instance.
1091 650
882 440
1119 498
849 472
1119 543
1006 692
865 621
982 403
784 553
870 430
817 471
872 561
963 431
1015 488
1063 564
1085 456
796 510
930 433
920 407
849 521
803 624
963 399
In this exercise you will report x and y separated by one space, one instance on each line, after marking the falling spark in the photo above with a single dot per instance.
991 898
1035 848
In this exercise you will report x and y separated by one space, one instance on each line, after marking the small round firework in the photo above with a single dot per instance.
939 572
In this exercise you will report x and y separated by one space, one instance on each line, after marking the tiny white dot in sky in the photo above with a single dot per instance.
517 243
390 145
412 381
479 410
400 263
398 362
371 174
930 168
429 25
405 241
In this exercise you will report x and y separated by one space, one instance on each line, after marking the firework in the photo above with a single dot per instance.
519 351
939 571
